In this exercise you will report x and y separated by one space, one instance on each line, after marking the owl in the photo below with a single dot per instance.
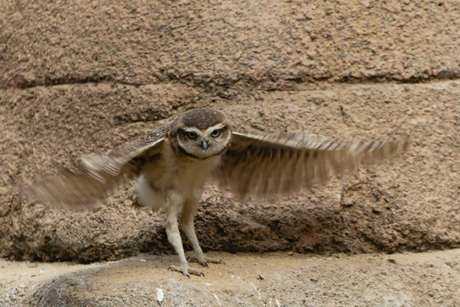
173 163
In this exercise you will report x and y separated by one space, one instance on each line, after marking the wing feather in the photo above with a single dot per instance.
270 164
97 176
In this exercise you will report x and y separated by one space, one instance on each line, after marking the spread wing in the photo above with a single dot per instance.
269 164
97 176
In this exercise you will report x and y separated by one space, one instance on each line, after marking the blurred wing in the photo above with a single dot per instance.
269 164
97 176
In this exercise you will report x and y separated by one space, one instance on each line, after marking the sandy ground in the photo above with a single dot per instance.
269 279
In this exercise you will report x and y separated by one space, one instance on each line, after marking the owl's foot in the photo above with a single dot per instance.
203 260
186 270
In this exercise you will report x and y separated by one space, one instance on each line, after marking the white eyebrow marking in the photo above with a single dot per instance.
192 129
211 129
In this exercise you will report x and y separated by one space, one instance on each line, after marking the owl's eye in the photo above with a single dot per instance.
215 133
191 135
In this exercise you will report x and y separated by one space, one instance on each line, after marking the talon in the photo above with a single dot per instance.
202 274
222 261
168 269
188 275
206 264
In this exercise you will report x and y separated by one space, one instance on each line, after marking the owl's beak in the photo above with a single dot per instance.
204 145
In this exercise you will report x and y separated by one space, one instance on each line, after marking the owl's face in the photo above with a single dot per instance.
204 143
203 133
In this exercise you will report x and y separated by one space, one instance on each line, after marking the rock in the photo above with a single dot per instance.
136 43
292 281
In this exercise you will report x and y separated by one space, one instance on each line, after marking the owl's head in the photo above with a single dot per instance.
201 133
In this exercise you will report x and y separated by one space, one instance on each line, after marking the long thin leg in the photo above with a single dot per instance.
173 203
186 221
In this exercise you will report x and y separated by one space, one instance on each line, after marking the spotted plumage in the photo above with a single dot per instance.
173 163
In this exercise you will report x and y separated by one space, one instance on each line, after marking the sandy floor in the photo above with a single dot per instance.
271 279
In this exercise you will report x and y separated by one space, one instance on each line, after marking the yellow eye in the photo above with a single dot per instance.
215 133
191 135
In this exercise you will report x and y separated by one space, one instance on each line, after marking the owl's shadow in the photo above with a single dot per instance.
264 227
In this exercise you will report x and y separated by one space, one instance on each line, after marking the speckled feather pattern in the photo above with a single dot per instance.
97 176
272 164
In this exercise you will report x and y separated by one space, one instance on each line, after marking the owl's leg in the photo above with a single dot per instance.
186 222
173 204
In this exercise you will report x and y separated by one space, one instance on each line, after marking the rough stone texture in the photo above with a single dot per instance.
272 44
84 76
274 279
406 204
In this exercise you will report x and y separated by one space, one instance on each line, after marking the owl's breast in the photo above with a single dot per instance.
181 173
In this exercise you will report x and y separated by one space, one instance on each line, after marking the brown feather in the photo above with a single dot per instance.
96 176
270 164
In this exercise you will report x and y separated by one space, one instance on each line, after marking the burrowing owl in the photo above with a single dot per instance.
174 162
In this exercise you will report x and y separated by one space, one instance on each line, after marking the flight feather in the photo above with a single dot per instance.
97 175
272 164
